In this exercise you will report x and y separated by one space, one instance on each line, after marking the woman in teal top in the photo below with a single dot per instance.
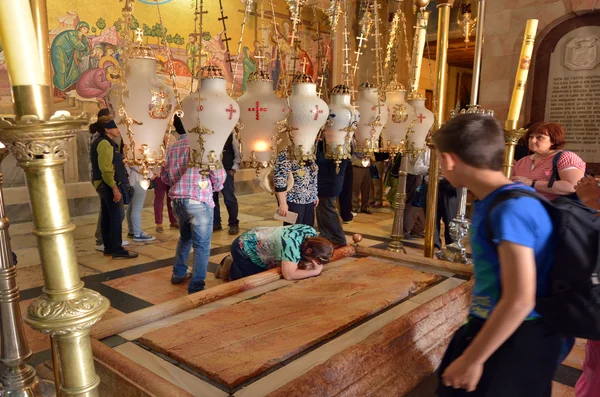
296 248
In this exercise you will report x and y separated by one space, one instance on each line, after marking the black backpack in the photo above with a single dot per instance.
573 304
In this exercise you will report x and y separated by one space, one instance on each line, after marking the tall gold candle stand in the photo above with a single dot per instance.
512 133
459 227
444 8
38 139
65 310
408 150
19 379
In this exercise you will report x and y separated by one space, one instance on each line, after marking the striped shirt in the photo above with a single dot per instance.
185 181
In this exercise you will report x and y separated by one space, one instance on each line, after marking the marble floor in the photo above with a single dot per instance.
126 282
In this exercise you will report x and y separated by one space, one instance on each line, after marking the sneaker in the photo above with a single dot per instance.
174 226
217 228
354 213
125 255
159 229
367 211
347 222
125 243
143 237
377 204
180 279
234 230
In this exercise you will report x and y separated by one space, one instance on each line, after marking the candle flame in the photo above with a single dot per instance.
261 146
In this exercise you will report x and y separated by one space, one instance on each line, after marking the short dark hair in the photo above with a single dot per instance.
554 131
178 125
477 139
321 249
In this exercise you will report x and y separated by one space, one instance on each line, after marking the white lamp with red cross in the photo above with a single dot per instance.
260 111
401 117
424 120
308 113
210 116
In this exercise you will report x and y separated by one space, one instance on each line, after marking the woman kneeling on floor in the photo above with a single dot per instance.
295 248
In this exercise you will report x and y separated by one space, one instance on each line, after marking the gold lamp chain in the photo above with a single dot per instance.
406 47
283 78
247 10
319 53
226 39
391 57
170 65
378 72
263 42
347 77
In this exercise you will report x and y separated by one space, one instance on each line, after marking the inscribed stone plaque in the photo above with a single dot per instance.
573 96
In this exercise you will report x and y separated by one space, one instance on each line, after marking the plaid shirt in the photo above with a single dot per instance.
184 180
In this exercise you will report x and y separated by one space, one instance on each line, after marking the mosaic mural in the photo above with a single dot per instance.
85 51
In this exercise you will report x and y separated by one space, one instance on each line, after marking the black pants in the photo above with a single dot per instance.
230 202
522 367
242 266
306 213
111 220
329 222
412 183
446 211
345 197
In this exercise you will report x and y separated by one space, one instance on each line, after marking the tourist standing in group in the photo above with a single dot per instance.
231 163
161 190
109 177
505 348
194 208
377 176
135 207
302 197
345 196
94 134
551 171
330 182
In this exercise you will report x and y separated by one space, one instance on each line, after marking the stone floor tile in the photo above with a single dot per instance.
101 263
32 276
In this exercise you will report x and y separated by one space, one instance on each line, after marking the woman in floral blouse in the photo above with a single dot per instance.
302 198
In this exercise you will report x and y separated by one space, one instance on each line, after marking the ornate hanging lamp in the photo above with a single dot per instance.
143 106
260 113
373 116
210 116
308 113
340 126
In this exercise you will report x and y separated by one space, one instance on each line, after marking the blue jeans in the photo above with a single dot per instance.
195 228
134 210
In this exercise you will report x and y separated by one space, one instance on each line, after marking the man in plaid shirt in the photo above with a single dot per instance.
193 207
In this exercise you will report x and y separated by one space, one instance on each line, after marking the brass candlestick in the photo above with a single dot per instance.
19 379
66 310
444 7
459 227
407 151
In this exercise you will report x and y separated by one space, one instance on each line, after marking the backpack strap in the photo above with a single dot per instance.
555 176
508 195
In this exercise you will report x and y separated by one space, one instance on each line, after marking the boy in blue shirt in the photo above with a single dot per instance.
504 349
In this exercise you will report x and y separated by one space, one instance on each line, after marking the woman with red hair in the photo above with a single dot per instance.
553 172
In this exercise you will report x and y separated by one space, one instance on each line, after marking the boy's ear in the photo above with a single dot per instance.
448 160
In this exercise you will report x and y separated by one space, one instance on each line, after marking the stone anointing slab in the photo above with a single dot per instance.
234 344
